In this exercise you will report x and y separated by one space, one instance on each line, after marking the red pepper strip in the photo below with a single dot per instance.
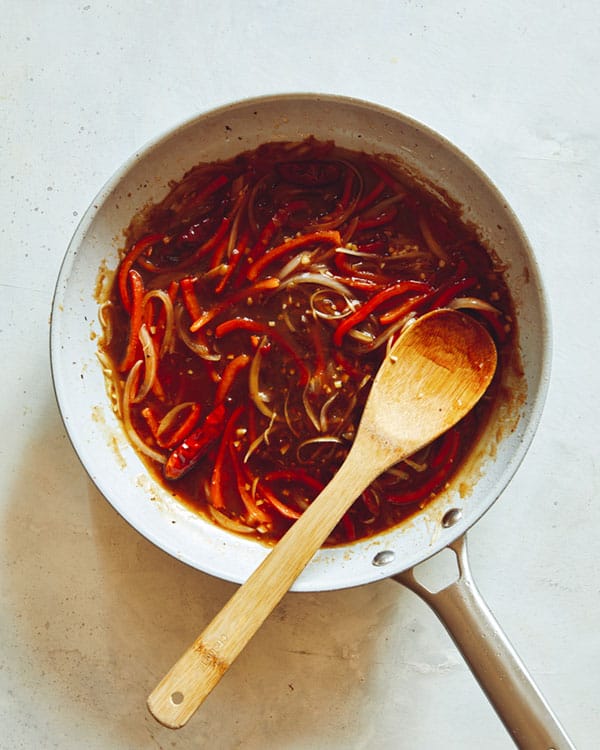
212 187
209 245
128 261
151 420
229 374
443 462
448 293
406 307
328 236
279 506
371 195
216 481
400 287
247 324
219 253
234 259
256 515
182 432
135 321
184 429
364 285
295 475
278 220
348 525
172 290
377 221
194 446
344 265
189 297
271 282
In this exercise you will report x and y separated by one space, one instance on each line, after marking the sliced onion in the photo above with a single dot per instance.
302 258
432 243
257 397
358 253
350 306
397 473
169 337
286 414
106 322
317 440
127 424
195 346
254 445
309 410
170 417
416 465
320 279
336 219
384 204
229 523
472 303
112 384
323 423
363 336
386 336
150 364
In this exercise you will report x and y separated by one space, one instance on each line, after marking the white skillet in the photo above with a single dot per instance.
120 476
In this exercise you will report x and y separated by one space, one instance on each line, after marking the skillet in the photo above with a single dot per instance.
117 471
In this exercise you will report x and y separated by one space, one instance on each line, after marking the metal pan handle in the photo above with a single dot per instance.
494 663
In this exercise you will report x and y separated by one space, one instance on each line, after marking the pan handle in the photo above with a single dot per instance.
491 658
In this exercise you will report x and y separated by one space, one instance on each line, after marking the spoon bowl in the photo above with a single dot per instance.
435 373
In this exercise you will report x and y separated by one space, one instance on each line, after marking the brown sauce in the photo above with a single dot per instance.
250 311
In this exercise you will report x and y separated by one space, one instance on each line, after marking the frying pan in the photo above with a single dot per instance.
120 476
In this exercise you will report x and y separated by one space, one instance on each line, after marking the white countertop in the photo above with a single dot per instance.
91 613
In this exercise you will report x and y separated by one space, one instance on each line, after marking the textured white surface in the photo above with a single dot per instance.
91 614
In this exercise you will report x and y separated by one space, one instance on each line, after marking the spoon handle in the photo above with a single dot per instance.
191 679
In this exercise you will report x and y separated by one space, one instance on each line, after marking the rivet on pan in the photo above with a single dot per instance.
451 517
383 558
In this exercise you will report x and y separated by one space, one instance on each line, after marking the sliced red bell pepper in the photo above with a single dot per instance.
128 261
331 237
136 311
232 368
216 480
255 326
443 462
256 514
394 290
195 446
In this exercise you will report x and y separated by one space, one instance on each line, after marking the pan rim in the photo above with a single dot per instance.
536 398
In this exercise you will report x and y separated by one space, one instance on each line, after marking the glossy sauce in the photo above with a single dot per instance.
289 270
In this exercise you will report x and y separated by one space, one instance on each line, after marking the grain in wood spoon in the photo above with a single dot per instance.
435 373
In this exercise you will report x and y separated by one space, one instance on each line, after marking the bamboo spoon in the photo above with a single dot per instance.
436 372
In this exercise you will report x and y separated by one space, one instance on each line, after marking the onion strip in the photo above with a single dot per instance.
192 344
132 433
254 383
168 340
150 364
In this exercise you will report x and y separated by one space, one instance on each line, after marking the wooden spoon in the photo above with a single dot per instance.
435 373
